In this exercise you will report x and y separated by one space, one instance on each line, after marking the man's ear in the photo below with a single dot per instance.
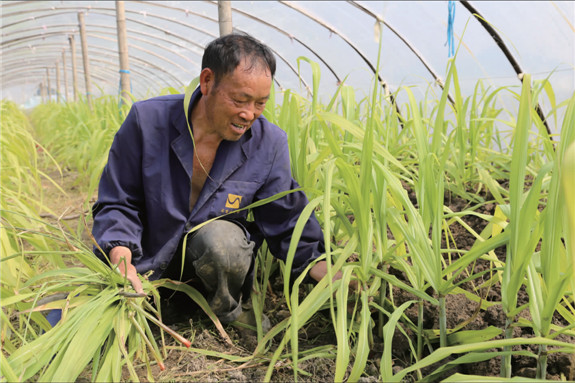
207 81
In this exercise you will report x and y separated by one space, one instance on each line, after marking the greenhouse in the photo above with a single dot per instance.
421 230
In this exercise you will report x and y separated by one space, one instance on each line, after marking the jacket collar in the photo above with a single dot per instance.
230 156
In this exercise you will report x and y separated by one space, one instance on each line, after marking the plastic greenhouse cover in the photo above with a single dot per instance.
166 41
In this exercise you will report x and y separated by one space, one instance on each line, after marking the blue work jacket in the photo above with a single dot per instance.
144 191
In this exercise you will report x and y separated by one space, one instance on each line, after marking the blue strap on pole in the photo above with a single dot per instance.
120 88
450 19
120 81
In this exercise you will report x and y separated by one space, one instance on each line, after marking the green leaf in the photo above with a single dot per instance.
462 378
473 336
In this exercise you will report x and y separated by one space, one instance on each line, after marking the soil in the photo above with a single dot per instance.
186 365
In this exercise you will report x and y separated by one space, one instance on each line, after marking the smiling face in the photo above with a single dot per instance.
235 101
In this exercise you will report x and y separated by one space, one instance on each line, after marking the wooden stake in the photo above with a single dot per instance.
58 81
123 53
64 74
43 93
84 43
48 86
74 68
225 17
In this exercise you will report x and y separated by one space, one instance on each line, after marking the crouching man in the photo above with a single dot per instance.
167 173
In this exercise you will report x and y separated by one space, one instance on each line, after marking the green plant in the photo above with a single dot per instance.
357 160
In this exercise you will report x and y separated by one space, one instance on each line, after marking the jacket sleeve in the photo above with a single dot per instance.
276 220
118 212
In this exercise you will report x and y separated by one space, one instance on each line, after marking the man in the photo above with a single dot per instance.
161 181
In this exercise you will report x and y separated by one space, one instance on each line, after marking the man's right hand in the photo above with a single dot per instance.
122 256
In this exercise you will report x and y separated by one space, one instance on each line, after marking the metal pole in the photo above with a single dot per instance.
74 68
58 81
501 44
225 17
64 74
123 53
84 44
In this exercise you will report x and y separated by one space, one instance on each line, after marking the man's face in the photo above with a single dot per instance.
237 101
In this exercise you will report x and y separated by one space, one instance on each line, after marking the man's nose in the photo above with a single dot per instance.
248 112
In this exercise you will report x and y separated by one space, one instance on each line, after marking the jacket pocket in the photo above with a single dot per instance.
232 196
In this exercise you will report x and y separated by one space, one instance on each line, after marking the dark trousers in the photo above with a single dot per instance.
218 260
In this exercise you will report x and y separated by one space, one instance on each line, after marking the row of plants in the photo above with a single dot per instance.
48 266
356 160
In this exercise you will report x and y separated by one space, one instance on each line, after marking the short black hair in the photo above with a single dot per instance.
224 54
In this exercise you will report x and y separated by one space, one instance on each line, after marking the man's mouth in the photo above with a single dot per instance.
240 128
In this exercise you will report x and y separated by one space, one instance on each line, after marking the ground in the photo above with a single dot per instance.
196 366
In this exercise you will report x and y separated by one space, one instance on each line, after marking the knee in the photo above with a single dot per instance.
224 245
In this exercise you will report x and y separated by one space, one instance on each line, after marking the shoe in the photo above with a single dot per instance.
247 320
171 315
176 307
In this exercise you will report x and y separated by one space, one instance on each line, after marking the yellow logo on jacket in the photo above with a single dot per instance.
233 201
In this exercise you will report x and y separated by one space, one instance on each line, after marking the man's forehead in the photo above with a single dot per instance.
253 65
